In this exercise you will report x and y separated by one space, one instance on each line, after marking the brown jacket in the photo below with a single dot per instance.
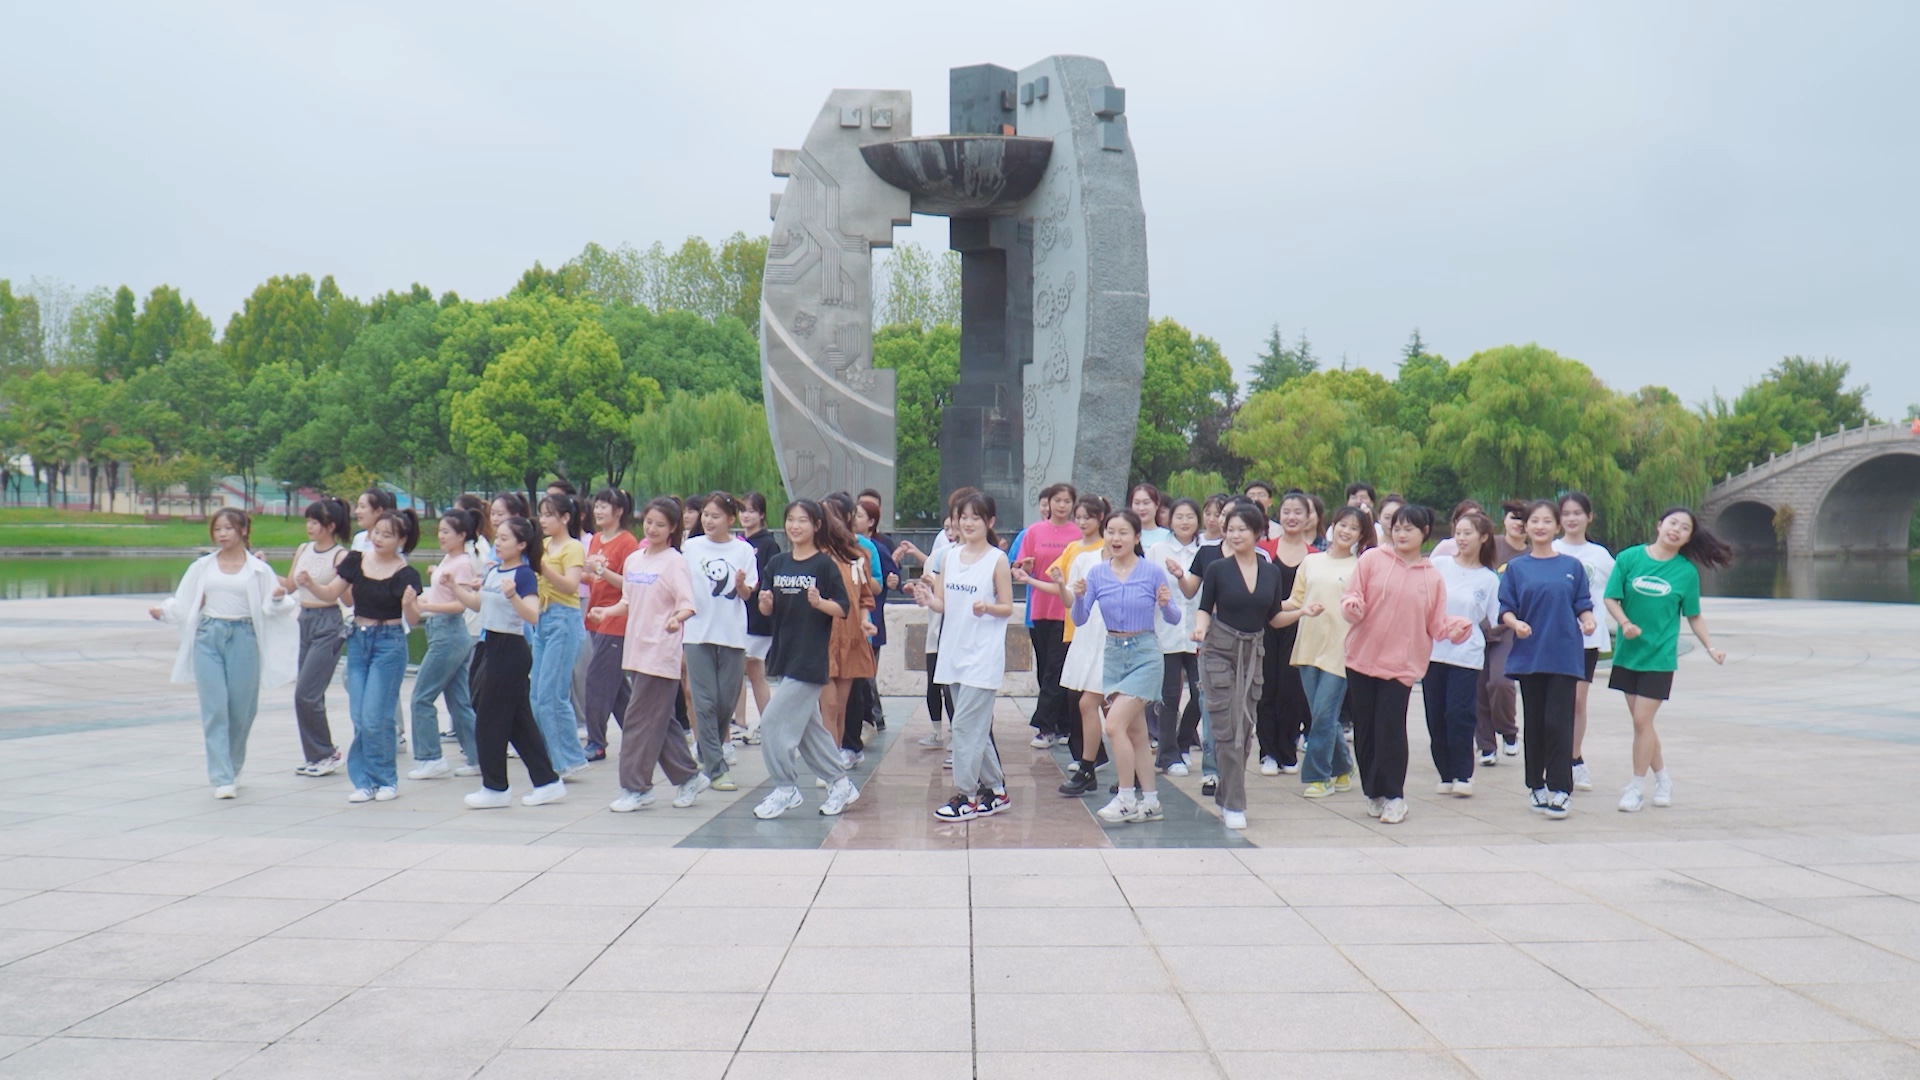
848 654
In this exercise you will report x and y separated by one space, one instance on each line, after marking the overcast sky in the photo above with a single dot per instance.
1674 193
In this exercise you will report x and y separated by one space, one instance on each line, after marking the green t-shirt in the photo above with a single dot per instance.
1656 596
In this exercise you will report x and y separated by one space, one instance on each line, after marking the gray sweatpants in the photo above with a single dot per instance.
792 721
975 762
714 673
323 633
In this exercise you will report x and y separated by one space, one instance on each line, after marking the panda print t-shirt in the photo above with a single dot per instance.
719 600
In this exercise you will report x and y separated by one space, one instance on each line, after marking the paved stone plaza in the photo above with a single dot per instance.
1765 926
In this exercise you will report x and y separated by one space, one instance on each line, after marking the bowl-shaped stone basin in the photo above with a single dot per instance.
962 175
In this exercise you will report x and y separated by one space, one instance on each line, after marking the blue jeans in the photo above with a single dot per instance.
556 644
376 664
443 671
1327 753
226 672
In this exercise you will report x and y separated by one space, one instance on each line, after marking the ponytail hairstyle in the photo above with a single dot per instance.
1247 512
332 513
406 525
1463 508
1363 519
380 499
1549 505
1095 507
1703 549
756 502
529 537
567 509
466 523
1483 526
725 502
515 505
1152 493
1132 519
838 531
668 507
620 501
980 505
471 503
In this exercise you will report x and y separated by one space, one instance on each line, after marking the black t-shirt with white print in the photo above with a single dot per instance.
800 632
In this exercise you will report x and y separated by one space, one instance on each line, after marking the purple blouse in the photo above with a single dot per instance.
1126 605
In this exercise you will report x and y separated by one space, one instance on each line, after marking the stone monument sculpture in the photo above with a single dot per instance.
1038 181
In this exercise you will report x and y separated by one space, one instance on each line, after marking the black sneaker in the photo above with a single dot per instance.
990 802
958 808
1079 780
1208 784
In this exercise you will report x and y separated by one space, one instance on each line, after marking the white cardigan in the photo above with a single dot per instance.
276 623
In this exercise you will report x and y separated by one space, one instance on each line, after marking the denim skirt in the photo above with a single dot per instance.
1133 666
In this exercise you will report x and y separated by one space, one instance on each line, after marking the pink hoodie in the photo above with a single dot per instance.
1397 612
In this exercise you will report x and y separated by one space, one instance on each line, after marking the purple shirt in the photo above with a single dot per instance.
1126 606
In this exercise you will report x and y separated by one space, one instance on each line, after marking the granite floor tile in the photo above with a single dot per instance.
672 1020
1547 1016
64 1058
846 1022
916 969
1734 1014
1609 964
1087 1022
1296 1022
837 1065
226 1012
1344 1065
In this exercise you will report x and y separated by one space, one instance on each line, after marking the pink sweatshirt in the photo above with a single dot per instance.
1402 611
655 586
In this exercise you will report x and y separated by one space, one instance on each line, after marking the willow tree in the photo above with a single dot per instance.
1530 424
694 443
1669 453
1321 431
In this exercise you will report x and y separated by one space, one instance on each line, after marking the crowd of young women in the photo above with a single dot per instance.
1158 629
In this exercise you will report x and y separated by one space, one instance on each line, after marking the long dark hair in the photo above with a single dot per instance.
620 501
668 507
380 499
567 509
332 513
1132 519
981 504
815 516
1703 549
839 538
1483 525
465 522
517 505
1363 519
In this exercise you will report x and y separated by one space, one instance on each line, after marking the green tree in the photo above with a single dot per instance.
1186 379
167 323
1666 462
552 404
1532 423
915 288
704 442
292 319
1425 380
1194 484
926 365
684 351
1797 401
1280 363
1323 430
22 345
693 277
113 336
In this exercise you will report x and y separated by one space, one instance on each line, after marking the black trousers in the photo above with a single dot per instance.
1379 733
1284 712
1448 692
1053 713
1182 668
938 696
863 699
503 714
1546 703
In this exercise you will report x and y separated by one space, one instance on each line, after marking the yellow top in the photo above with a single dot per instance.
1322 640
559 555
1065 565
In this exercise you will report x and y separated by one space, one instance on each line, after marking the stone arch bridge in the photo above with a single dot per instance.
1849 492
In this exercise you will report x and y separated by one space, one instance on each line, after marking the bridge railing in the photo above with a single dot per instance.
1893 431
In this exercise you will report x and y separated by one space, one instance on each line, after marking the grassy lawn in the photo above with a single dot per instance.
28 527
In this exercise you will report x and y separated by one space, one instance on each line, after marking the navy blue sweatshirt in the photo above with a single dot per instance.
1548 595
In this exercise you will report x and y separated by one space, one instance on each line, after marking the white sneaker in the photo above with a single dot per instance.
1394 812
1178 768
629 801
1558 804
430 770
1489 758
1510 748
931 739
385 794
1662 789
1444 787
840 796
1147 809
469 769
1291 770
691 790
728 753
781 801
568 774
947 764
225 791
819 783
1632 800
1233 819
1376 807
1462 789
1120 809
360 794
1041 741
1537 800
545 794
489 799
1269 767
1582 779
1061 740
580 732
324 767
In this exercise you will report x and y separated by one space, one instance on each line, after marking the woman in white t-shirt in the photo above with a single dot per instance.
1576 516
974 595
1178 649
725 571
1449 687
